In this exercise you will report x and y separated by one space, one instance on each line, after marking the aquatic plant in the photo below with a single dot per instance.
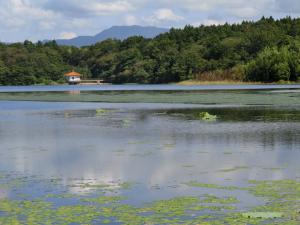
212 186
101 112
207 117
126 122
263 215
282 204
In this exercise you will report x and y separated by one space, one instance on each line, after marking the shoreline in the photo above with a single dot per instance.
181 83
228 82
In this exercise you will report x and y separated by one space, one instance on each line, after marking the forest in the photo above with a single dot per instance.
267 50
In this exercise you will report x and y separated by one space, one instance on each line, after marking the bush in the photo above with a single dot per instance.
273 64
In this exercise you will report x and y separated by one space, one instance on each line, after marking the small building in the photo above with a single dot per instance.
73 77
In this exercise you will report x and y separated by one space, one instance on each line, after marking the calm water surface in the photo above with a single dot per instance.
138 87
157 146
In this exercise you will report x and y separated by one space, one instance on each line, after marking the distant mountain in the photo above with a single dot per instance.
115 32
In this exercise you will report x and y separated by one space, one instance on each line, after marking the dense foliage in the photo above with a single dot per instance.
267 50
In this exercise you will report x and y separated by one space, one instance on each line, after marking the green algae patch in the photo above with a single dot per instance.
274 190
109 209
102 112
43 212
215 199
210 186
205 116
281 196
12 183
174 206
180 210
104 199
126 185
281 206
60 196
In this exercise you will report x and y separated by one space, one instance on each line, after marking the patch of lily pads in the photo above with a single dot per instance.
281 206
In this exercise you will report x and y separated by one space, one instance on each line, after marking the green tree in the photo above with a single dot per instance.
272 64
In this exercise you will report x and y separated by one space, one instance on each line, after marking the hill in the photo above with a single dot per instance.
115 32
267 50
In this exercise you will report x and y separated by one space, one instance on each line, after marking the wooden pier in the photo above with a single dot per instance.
91 82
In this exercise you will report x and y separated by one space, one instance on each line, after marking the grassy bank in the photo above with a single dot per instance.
224 82
228 82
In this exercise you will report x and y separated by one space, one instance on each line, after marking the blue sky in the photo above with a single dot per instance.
48 19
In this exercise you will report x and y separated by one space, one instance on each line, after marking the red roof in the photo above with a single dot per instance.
73 74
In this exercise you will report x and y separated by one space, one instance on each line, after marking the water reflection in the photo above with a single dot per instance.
74 92
156 148
3 193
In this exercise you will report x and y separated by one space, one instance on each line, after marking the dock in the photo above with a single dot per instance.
91 82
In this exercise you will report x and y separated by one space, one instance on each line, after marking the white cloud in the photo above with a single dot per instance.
163 15
79 8
167 15
47 25
77 23
19 13
209 5
39 19
208 22
67 35
111 7
235 8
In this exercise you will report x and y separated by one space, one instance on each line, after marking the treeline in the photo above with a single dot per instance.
267 50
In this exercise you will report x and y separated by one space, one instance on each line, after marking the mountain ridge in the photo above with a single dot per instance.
115 32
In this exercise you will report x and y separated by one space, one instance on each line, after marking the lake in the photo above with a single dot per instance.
146 155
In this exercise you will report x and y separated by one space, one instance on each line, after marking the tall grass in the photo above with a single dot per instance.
236 74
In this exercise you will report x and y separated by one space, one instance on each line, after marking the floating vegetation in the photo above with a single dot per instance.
212 186
282 204
9 182
274 168
67 114
205 116
126 185
126 122
102 112
188 166
104 199
234 169
214 199
160 113
263 215
168 146
228 153
142 154
242 97
180 210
